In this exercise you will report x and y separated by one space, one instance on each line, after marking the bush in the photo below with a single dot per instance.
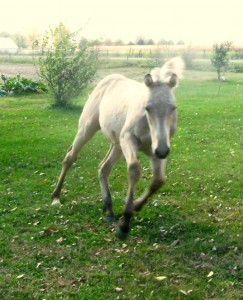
18 85
65 69
188 59
238 68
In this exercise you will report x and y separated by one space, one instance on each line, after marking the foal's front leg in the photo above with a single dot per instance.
129 147
158 169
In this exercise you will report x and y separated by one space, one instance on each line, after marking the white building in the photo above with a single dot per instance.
7 45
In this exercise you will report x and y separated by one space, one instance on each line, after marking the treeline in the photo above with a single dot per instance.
138 41
32 41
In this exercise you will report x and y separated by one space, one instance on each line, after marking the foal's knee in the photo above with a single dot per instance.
134 171
103 172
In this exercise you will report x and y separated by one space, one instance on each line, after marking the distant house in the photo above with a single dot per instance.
7 45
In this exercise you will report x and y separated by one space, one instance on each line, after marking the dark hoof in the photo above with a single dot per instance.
137 206
110 219
121 234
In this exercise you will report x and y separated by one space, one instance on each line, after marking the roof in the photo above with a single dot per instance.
7 43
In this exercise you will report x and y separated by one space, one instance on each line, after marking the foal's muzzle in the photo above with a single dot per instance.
161 154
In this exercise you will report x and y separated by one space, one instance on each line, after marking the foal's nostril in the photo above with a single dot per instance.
161 154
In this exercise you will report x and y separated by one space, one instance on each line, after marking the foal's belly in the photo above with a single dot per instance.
112 120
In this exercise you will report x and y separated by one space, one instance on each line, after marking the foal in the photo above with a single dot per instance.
135 117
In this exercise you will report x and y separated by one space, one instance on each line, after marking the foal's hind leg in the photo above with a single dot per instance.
104 171
85 133
158 180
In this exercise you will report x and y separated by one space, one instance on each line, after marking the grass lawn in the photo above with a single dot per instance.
185 244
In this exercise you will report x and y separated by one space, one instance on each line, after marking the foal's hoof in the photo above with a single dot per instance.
56 202
121 234
137 205
110 219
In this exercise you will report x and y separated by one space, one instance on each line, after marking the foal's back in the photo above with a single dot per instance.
121 106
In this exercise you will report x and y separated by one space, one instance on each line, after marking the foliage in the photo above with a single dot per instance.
220 57
185 244
188 58
65 69
18 85
165 42
20 40
238 68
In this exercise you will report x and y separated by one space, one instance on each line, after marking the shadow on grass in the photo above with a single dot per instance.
75 108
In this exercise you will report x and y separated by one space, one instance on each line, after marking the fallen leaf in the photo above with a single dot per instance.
186 293
50 229
160 278
20 276
183 292
107 240
40 263
62 283
118 290
175 243
59 240
210 274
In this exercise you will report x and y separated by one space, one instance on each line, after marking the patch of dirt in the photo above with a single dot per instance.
25 70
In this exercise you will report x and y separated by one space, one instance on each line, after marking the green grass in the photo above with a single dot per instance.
18 59
191 227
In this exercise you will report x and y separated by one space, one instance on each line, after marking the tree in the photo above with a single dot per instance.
4 34
180 43
220 57
33 39
65 69
119 42
140 40
165 42
83 43
150 42
20 40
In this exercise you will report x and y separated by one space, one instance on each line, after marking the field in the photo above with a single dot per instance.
185 244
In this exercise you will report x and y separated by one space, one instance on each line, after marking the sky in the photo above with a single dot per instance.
194 22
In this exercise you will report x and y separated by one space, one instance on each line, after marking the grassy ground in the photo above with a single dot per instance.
187 242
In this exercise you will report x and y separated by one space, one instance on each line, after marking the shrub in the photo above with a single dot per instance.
18 85
238 68
65 69
188 58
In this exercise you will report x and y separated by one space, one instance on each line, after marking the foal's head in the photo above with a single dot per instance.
161 106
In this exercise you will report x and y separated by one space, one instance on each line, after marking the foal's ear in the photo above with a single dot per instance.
173 81
148 80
